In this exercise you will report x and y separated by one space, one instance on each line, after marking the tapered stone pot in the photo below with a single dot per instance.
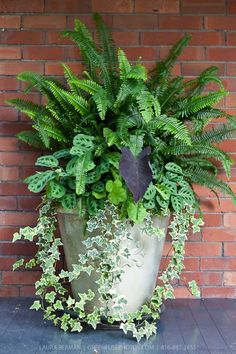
140 273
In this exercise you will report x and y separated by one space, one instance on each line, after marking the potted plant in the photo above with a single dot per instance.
125 149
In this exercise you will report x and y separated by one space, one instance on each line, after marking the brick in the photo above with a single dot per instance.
230 69
203 7
8 114
72 52
18 158
44 22
10 52
7 262
160 38
191 264
14 68
230 220
17 249
212 220
202 278
218 235
9 291
22 37
180 22
135 22
9 173
231 38
229 279
68 6
182 293
231 7
18 218
12 129
88 20
218 292
28 203
8 203
230 84
125 38
207 38
6 233
9 83
27 291
147 53
220 22
57 69
56 37
189 69
231 100
203 191
230 249
9 21
221 54
226 205
21 277
158 6
117 6
217 263
34 97
190 53
8 144
44 53
13 188
21 6
196 250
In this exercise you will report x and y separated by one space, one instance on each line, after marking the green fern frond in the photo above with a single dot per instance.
124 64
171 126
194 104
205 178
145 104
30 137
89 86
108 48
71 77
217 134
202 149
163 69
67 99
197 161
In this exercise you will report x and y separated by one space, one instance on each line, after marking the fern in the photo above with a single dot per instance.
171 126
194 104
204 178
202 149
217 134
30 137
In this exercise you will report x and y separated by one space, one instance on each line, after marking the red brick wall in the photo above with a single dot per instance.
30 40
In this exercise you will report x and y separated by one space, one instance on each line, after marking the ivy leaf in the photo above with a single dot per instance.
16 236
136 171
36 305
18 264
136 212
50 297
77 327
58 305
116 192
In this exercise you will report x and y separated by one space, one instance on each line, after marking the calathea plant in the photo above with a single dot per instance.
124 146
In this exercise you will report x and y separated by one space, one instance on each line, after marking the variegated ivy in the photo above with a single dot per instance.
103 253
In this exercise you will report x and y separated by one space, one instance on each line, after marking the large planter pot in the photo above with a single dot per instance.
139 278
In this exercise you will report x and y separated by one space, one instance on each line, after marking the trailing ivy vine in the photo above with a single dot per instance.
105 232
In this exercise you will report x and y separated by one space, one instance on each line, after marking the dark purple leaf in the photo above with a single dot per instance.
136 171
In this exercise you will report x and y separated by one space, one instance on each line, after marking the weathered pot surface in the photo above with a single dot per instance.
139 278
